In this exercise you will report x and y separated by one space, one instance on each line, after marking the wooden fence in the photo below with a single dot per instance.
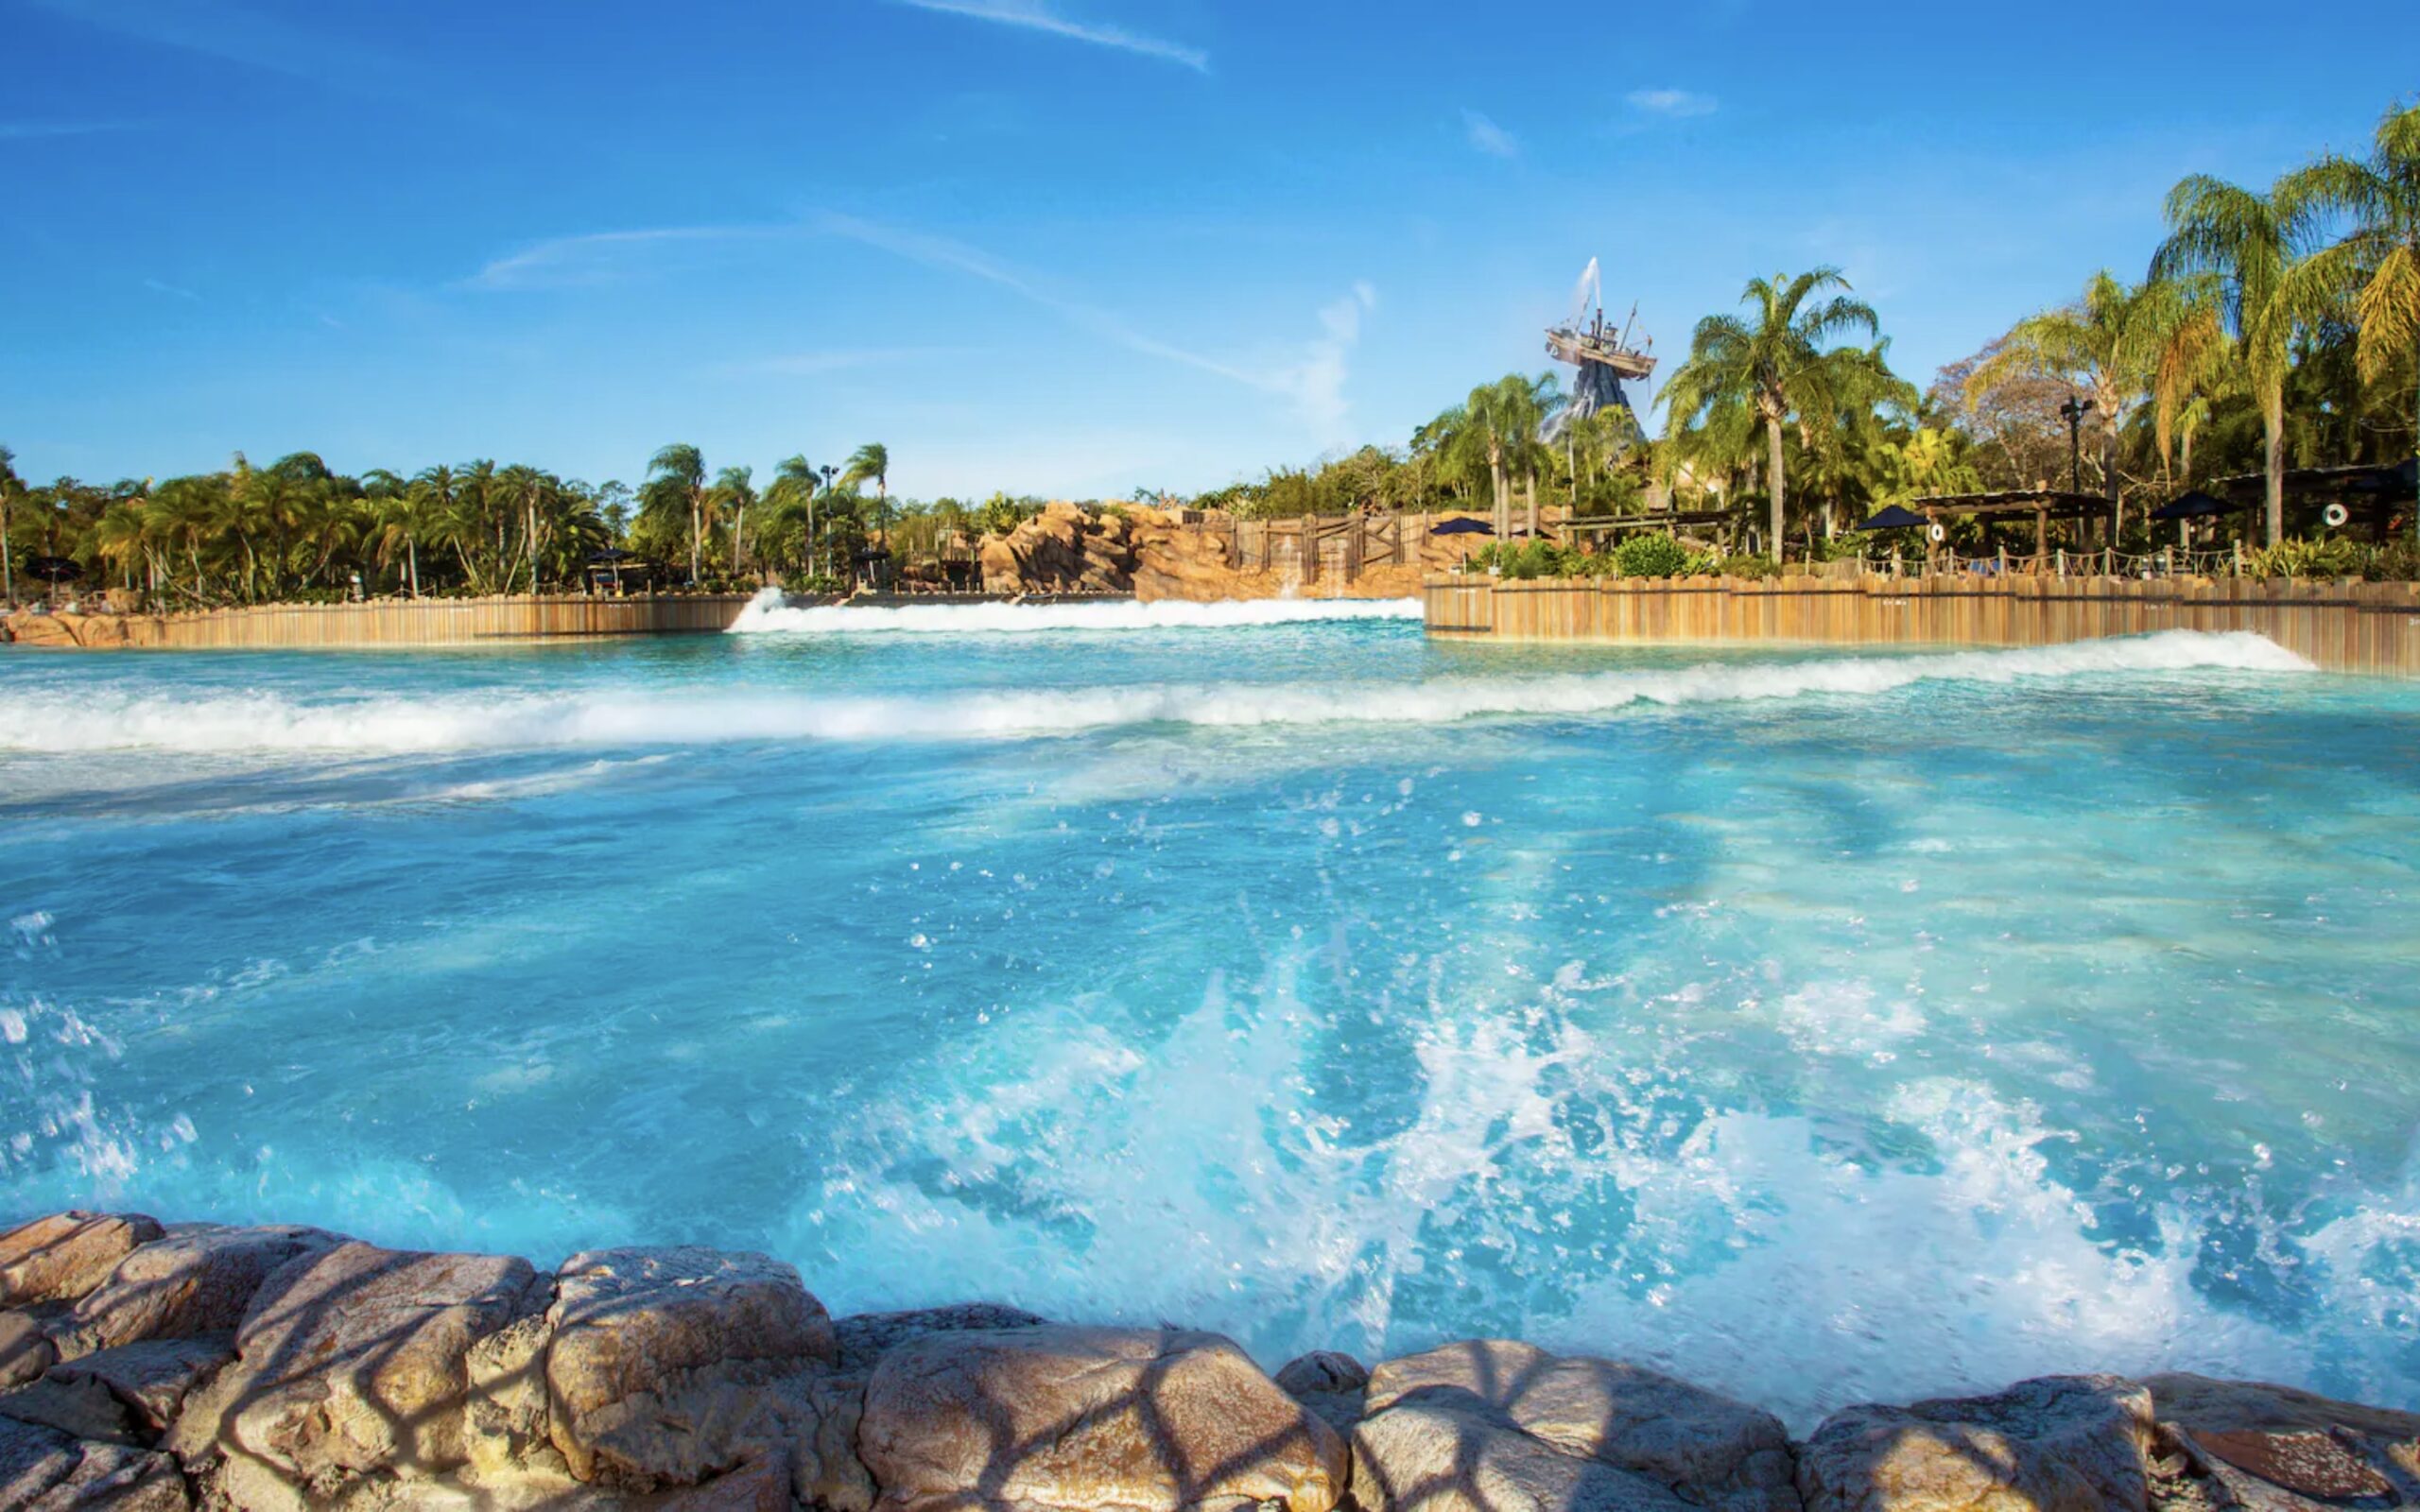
392 622
2343 627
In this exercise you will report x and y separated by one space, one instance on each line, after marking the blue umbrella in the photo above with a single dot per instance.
1463 526
1893 517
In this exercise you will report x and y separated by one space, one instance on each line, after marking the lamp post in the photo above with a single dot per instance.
829 473
2073 412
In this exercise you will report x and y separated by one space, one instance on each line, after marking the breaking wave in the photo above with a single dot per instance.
59 721
769 615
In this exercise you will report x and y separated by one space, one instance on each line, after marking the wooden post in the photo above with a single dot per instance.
2041 532
1309 552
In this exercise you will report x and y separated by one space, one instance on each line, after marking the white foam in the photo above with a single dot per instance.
260 721
769 615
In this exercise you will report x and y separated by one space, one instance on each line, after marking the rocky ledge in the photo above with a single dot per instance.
149 1366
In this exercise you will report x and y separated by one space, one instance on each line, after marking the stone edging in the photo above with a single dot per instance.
151 1368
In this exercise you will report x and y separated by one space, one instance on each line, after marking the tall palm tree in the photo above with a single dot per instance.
1523 407
2116 346
2244 238
871 460
2374 266
1491 426
534 493
677 476
1774 363
432 507
796 482
13 493
734 490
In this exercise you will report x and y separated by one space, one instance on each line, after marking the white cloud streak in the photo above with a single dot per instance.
1675 104
1312 381
1043 16
599 257
1488 137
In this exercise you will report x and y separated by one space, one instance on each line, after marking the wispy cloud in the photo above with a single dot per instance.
1488 137
601 257
1672 104
1316 384
158 287
1312 381
1044 16
36 130
1311 377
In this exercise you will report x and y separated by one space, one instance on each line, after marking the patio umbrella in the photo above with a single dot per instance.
54 568
1461 526
1893 517
2193 506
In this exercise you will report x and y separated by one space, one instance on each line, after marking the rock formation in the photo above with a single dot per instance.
165 1369
1156 554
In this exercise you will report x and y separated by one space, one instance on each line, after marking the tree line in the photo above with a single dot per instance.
2273 327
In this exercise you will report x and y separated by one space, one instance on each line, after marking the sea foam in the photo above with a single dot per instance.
769 615
61 721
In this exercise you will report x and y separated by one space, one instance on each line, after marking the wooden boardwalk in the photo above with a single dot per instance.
2349 627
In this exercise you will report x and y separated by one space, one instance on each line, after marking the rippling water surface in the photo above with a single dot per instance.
1821 1027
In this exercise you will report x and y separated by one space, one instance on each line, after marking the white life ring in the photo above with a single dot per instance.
1936 533
2336 514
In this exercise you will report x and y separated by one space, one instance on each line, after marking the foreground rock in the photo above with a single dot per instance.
45 1471
2272 1449
196 1281
1078 1420
2059 1444
669 1366
353 1360
1332 1385
283 1369
60 1258
1427 1457
1708 1448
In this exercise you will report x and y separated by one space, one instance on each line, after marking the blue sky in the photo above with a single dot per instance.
1068 247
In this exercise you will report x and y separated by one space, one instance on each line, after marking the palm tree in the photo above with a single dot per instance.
873 461
530 488
1523 407
795 485
2114 346
677 477
13 493
2244 238
735 489
2375 266
1490 426
1774 364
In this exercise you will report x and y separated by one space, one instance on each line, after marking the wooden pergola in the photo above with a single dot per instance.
2040 504
1669 520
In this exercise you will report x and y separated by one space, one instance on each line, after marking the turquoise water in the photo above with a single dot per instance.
1821 1027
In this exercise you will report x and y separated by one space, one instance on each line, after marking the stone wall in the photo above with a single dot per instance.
159 1367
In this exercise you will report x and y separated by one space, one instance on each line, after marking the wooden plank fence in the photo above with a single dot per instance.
2342 627
403 622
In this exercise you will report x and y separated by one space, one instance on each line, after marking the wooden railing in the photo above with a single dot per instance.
2343 627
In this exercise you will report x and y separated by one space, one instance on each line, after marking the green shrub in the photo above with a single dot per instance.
2334 557
1650 554
1750 567
2397 561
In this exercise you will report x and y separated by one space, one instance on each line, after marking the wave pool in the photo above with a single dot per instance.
1821 1027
